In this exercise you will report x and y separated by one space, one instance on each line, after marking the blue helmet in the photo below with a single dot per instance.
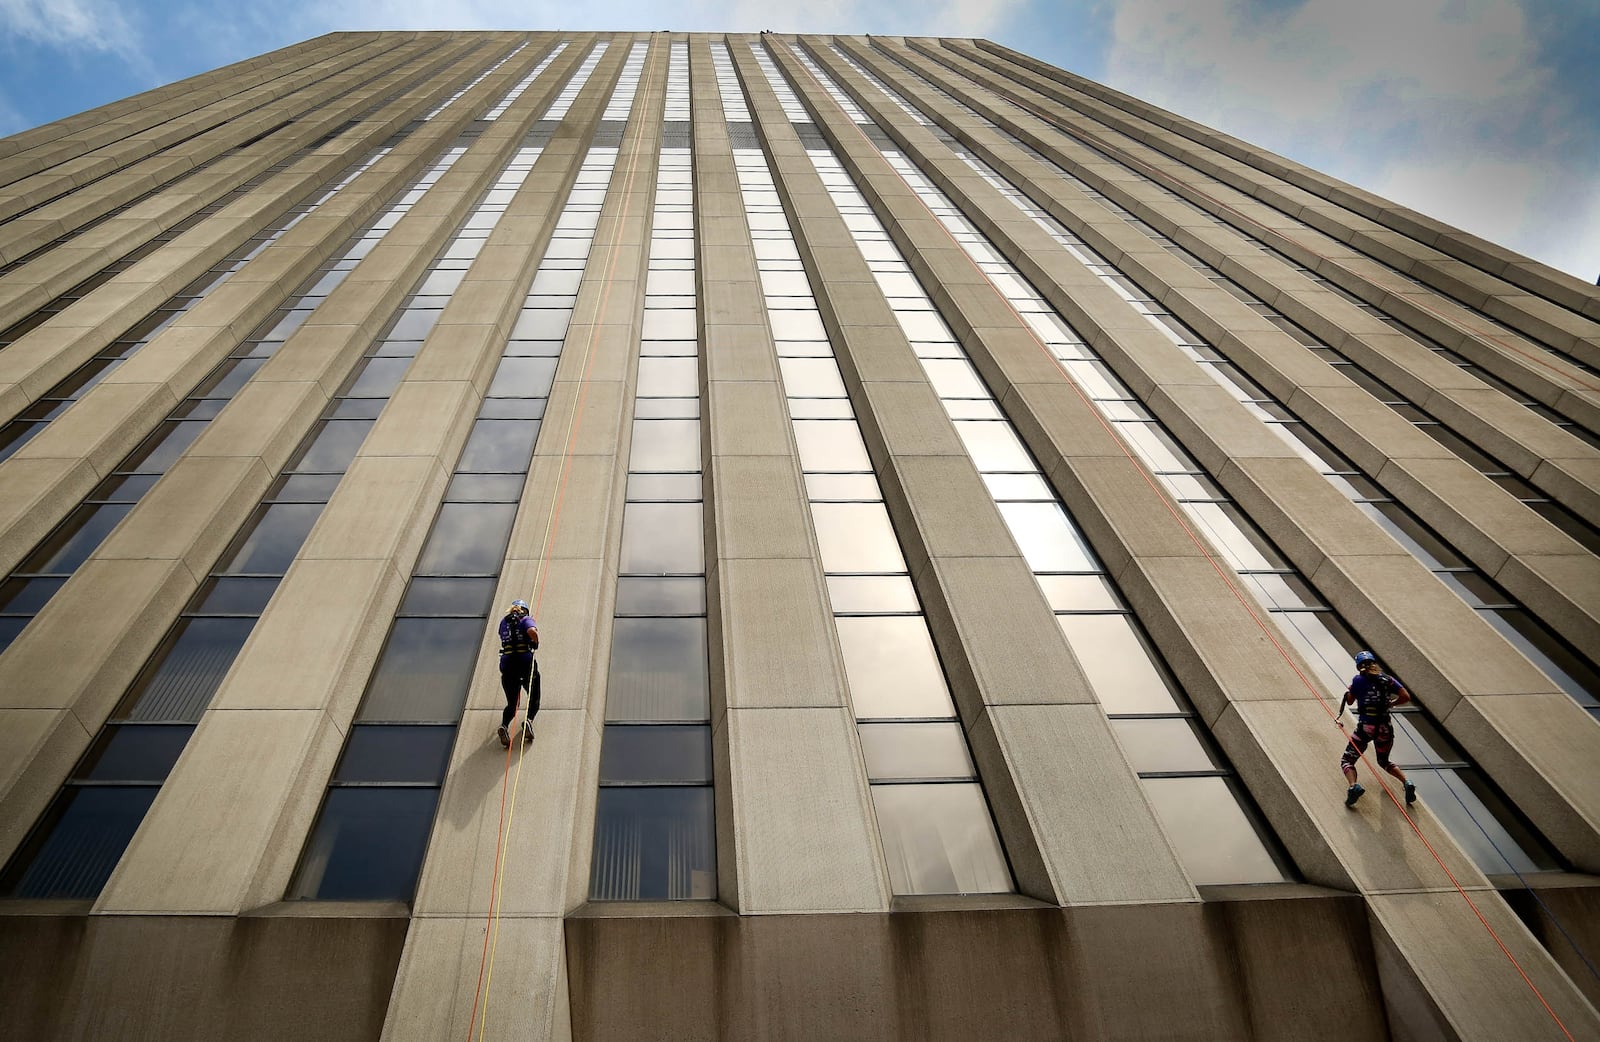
1364 658
519 607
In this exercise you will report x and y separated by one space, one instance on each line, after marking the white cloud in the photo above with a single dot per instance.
93 25
1442 105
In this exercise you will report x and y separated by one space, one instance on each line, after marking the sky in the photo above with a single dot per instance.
1482 113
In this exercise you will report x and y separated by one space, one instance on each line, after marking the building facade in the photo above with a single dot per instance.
950 493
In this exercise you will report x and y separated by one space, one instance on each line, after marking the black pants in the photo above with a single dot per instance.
519 671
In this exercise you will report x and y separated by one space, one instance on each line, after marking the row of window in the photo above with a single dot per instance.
655 829
1302 617
76 844
1188 783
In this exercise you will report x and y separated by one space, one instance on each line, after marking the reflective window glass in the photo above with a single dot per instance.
1048 540
237 595
503 446
379 377
632 754
334 446
77 537
923 325
993 446
683 595
1215 840
134 752
467 539
1018 486
831 445
1078 593
485 488
523 378
1468 809
274 540
663 538
368 845
427 596
796 325
26 596
665 445
670 325
1235 537
811 378
424 670
658 670
670 487
905 752
188 671
669 377
541 324
1162 745
856 537
842 487
654 844
891 666
78 842
162 448
853 594
379 753
1116 664
938 839
954 378
1325 644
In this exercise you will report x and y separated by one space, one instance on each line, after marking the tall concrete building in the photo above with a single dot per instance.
950 493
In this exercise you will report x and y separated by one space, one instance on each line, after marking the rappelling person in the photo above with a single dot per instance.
519 639
1373 693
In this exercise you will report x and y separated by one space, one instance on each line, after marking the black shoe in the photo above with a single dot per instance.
505 736
527 730
1411 794
1352 794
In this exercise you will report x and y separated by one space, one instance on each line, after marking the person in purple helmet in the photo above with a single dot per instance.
519 639
1373 693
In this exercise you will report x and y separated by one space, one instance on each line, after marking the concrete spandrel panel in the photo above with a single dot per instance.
1562 589
48 665
381 511
191 514
738 353
1214 426
1476 515
1572 481
567 507
908 419
1059 414
1000 643
424 419
584 415
802 814
526 998
1426 635
318 639
534 838
758 508
1125 513
748 419
951 510
1541 749
459 352
572 618
102 426
1377 849
1434 951
777 636
34 495
267 419
1304 513
1219 644
1036 761
228 811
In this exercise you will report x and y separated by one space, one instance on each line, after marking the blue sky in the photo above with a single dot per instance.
1483 113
